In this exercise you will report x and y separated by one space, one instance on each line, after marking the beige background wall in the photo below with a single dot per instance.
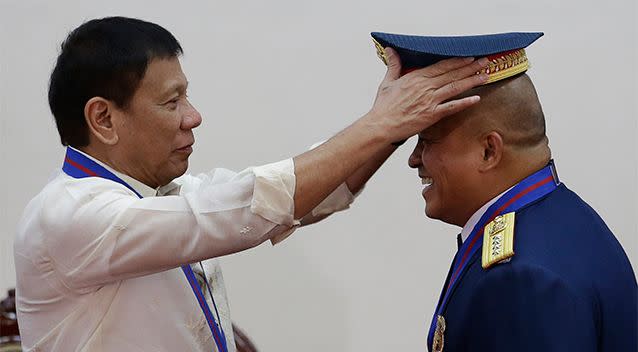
272 77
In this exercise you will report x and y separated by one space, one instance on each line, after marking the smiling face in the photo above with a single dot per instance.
473 156
446 160
155 132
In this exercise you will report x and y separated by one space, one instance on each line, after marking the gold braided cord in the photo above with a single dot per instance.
506 66
502 67
380 51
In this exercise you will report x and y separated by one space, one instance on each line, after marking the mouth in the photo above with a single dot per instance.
427 182
185 149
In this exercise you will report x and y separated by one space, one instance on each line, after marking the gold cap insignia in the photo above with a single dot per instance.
380 51
498 240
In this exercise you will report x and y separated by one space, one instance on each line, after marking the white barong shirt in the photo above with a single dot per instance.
98 269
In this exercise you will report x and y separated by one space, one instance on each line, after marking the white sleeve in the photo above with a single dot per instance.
98 232
273 191
339 199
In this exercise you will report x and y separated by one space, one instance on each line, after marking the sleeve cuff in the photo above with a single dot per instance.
339 199
273 195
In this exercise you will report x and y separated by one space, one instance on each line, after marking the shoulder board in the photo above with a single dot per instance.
498 240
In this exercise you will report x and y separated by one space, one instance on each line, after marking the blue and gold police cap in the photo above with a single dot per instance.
506 51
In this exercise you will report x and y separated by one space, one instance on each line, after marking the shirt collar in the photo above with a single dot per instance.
469 225
138 186
172 188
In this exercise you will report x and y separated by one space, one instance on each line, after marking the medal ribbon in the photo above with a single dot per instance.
528 190
78 165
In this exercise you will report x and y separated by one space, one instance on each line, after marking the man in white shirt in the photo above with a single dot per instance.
104 254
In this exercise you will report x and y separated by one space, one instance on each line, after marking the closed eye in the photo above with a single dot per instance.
174 102
171 104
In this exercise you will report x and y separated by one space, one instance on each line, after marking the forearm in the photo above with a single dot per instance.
404 106
341 198
358 179
321 170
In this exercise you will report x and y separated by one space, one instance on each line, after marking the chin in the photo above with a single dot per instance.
176 170
437 213
182 170
442 215
430 212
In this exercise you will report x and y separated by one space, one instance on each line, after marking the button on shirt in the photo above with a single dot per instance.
98 268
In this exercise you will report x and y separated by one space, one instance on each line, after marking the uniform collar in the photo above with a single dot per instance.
469 225
138 186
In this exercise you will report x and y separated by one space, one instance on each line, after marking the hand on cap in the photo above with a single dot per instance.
406 105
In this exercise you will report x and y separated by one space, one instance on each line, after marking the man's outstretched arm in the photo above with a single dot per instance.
403 107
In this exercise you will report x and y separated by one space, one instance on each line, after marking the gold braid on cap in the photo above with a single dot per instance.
380 52
504 65
501 66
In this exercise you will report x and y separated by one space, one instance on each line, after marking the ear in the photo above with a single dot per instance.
492 144
98 113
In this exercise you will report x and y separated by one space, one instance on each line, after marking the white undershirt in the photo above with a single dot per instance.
469 225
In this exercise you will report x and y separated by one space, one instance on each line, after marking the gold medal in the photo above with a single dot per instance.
438 341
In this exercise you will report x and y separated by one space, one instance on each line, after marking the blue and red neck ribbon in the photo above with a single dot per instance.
530 189
77 165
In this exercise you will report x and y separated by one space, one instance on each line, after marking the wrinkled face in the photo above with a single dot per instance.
445 158
157 127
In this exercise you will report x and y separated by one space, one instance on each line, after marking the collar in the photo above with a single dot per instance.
469 225
138 186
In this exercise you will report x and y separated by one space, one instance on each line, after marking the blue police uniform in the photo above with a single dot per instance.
540 271
569 287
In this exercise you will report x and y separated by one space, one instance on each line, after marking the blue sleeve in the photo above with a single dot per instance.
529 309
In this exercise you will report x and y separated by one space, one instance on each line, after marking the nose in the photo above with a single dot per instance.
414 161
191 118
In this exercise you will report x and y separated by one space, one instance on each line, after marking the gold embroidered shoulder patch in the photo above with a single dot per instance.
498 240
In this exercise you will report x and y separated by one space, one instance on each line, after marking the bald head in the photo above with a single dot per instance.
511 108
473 156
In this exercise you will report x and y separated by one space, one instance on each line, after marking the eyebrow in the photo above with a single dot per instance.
178 86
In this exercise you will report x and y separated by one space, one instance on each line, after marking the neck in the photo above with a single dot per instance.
511 172
113 161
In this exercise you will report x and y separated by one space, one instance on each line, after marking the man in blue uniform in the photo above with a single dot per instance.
537 269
